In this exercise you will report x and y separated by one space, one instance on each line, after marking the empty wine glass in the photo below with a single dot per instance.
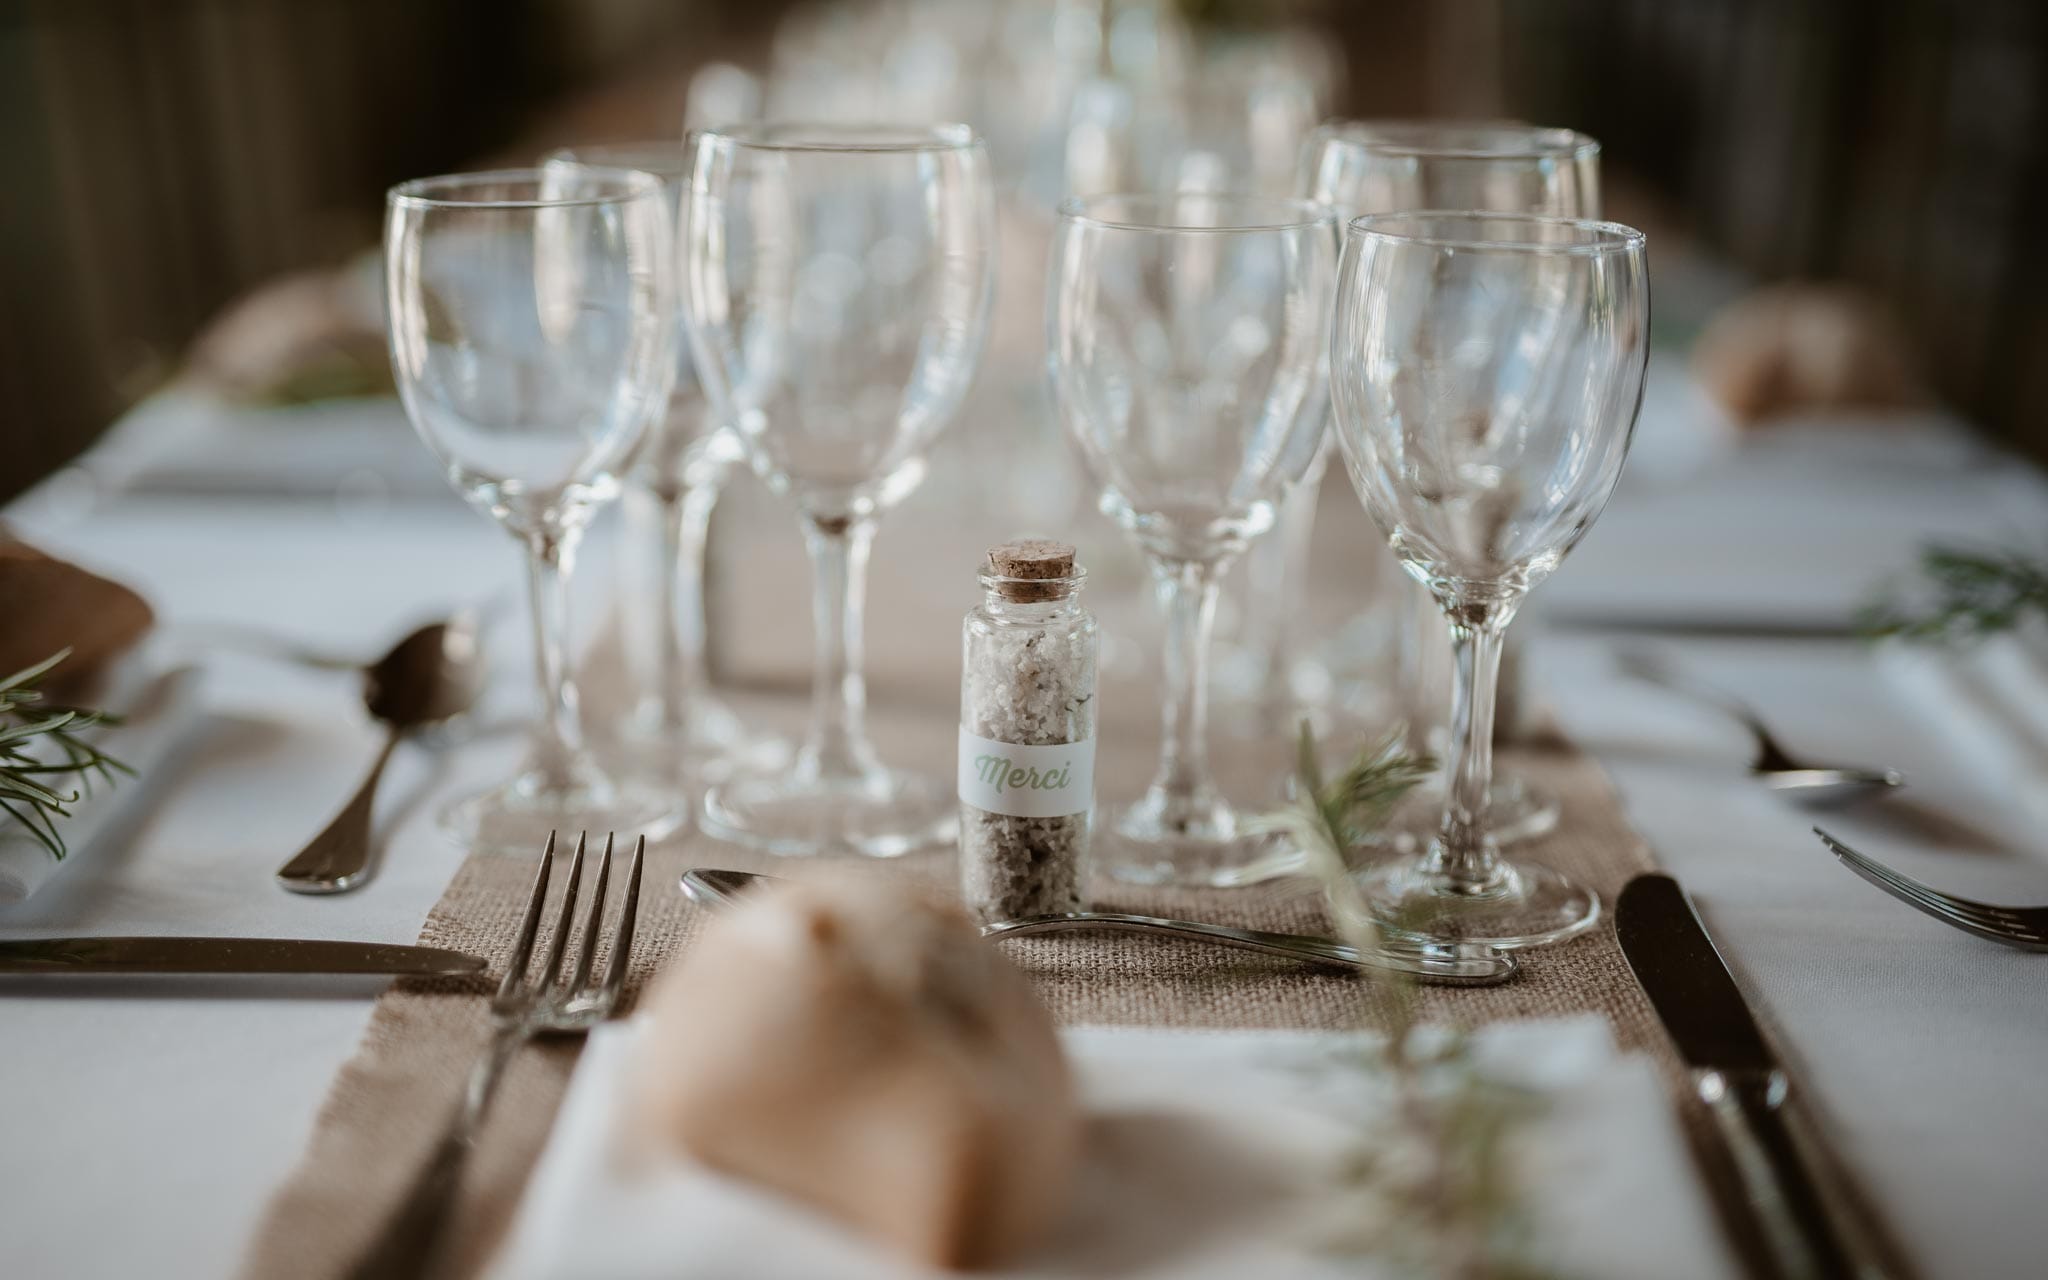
1395 166
1391 166
838 282
1188 337
1485 372
532 316
679 732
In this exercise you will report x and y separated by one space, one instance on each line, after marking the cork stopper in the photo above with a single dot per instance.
1030 570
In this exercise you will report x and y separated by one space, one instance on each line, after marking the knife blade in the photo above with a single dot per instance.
228 955
1803 1204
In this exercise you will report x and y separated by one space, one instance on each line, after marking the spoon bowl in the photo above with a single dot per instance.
434 674
1824 787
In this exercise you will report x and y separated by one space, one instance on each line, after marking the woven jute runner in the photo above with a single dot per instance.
390 1101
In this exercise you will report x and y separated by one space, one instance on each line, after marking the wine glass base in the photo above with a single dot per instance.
1524 905
881 814
516 817
1139 846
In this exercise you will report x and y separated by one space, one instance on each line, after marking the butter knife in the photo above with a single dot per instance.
228 955
1803 1204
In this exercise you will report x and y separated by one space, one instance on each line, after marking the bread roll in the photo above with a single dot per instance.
1799 347
863 1050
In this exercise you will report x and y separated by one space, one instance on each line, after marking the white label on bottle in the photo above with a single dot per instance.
1027 782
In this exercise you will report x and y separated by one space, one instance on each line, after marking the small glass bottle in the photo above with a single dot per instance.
1027 734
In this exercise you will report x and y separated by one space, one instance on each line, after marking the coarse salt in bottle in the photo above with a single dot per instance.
1027 734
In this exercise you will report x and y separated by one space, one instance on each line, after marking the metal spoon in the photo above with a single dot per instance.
1445 965
1776 768
431 675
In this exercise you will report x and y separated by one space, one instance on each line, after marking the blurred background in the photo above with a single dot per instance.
194 184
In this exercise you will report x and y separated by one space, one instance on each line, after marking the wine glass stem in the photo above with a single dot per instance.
838 744
685 526
1189 590
558 739
1464 852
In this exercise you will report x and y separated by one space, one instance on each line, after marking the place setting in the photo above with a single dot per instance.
1203 839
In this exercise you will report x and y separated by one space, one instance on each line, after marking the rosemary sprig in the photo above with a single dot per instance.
1429 1190
26 772
1963 595
1327 818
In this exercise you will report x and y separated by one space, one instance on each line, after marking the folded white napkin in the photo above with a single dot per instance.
1990 701
1195 1139
158 709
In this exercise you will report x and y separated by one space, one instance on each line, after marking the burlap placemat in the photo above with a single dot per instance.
390 1101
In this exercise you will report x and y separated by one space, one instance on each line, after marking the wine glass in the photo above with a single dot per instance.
1395 166
532 316
838 281
1485 372
1392 166
678 729
1188 338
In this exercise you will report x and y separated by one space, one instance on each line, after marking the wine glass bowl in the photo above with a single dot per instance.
839 290
1187 336
1505 408
1389 166
527 355
531 322
1182 362
1486 370
837 281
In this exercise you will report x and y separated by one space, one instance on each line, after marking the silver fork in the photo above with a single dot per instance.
2022 927
550 1004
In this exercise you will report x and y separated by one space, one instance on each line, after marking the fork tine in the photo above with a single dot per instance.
522 946
622 946
1902 878
1897 882
1995 930
1989 911
1961 912
1957 907
552 966
592 919
2003 922
1905 893
1914 895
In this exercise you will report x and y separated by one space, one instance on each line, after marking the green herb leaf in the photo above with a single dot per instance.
1962 595
23 795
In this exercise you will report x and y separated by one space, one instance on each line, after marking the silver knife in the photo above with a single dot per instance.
1802 1202
228 955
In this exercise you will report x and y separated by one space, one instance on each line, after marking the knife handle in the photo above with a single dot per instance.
1808 1219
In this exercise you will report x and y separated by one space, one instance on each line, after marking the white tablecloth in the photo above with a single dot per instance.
142 1134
